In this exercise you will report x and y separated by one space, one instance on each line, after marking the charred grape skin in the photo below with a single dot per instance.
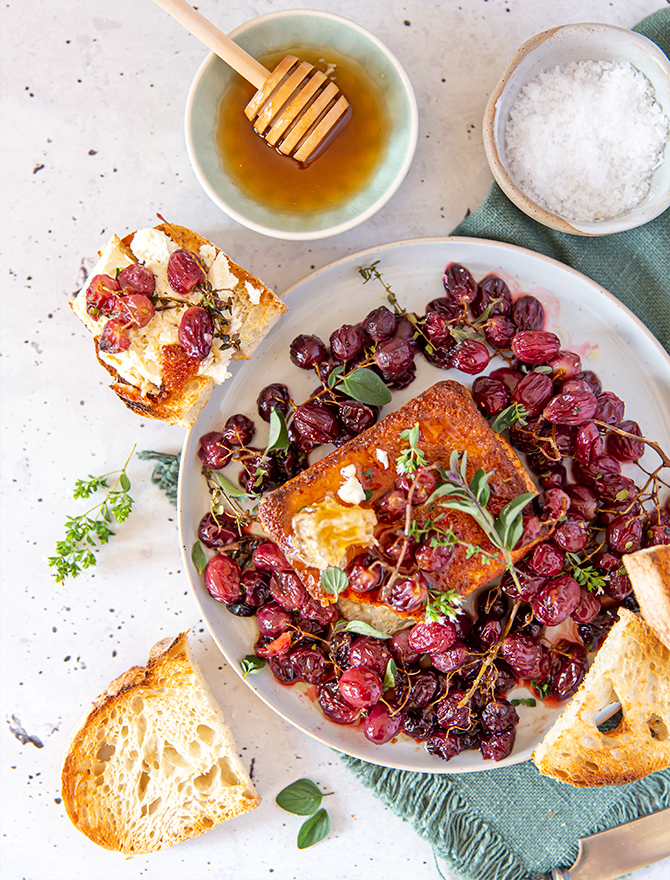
499 331
572 668
610 408
571 408
419 723
529 582
618 585
217 531
535 346
334 706
360 687
101 296
451 715
459 285
222 579
381 725
273 620
114 337
394 356
547 560
525 655
624 534
313 610
371 653
408 594
316 422
556 601
625 448
379 324
310 664
137 309
485 633
273 396
492 294
444 745
256 586
588 443
588 608
347 342
307 350
470 356
528 313
491 395
196 332
136 278
492 603
239 430
363 575
403 653
287 590
498 716
428 638
533 392
184 271
497 746
213 451
391 506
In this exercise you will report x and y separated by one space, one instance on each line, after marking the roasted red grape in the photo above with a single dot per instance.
184 271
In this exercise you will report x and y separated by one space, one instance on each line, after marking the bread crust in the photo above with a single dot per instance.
183 394
449 420
649 573
633 668
96 798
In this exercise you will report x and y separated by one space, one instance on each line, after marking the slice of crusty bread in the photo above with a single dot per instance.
180 385
649 573
632 667
153 762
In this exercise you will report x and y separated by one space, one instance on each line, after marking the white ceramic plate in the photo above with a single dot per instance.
609 338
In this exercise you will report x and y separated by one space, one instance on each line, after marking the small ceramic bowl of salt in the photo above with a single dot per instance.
577 131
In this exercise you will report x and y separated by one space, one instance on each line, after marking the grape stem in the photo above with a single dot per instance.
652 443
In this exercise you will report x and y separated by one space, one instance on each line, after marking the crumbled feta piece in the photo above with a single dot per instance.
382 457
351 491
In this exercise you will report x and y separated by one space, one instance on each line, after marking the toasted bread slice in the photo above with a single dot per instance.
155 377
632 667
448 420
649 573
153 762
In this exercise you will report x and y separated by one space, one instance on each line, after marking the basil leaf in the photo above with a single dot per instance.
251 664
364 385
230 488
314 829
390 674
364 629
302 798
333 580
278 438
198 556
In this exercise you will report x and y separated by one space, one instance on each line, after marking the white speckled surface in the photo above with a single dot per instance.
93 96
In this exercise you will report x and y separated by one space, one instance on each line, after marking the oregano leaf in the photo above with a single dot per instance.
364 629
366 386
314 829
230 488
251 664
390 674
198 556
333 581
302 797
278 438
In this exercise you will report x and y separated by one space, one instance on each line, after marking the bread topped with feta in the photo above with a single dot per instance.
169 311
153 762
333 511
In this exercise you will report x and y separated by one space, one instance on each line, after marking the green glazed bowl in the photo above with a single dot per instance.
274 32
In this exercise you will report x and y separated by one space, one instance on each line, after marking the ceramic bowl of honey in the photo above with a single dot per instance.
347 182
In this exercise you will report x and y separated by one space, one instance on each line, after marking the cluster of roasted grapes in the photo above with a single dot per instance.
450 677
127 302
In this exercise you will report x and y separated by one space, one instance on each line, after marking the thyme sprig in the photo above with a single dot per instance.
87 532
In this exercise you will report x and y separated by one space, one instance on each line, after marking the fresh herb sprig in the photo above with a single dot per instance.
87 532
442 604
411 459
586 575
303 798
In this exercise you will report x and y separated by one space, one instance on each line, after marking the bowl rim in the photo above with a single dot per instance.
503 177
346 225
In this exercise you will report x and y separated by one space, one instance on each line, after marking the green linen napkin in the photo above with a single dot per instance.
512 823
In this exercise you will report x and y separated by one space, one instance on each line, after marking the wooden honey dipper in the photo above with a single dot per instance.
296 107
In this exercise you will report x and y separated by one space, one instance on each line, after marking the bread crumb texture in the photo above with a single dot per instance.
153 762
631 668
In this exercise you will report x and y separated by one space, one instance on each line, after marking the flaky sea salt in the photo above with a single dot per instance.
584 138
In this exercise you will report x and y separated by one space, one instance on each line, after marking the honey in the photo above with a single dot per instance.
340 171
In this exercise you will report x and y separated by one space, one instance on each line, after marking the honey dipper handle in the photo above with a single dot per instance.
252 70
